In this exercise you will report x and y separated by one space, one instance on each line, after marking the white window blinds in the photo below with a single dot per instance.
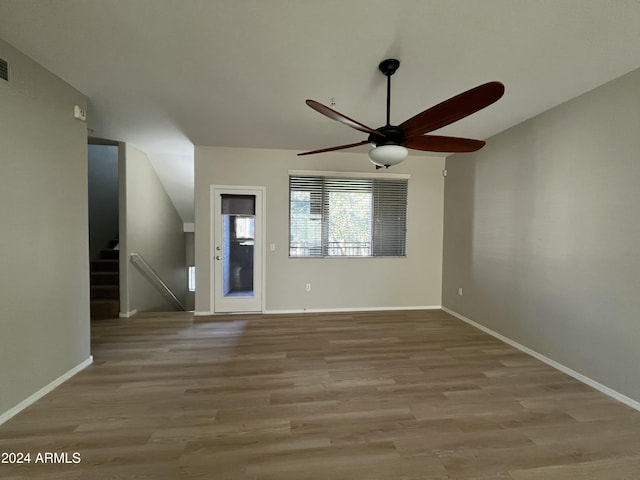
347 217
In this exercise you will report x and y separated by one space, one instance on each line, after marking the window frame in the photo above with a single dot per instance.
355 176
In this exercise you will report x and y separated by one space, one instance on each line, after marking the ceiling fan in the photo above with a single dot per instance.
390 142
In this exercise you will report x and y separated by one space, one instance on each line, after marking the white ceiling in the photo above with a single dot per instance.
169 74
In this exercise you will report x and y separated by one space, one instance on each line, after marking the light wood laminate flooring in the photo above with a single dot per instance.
398 395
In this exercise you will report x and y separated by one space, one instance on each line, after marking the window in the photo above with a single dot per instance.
333 216
243 229
192 278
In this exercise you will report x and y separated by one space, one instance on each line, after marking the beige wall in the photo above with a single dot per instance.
44 252
152 229
542 231
414 281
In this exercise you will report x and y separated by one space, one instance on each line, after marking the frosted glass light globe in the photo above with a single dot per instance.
387 155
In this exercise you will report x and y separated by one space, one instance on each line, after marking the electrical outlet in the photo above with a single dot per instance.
307 287
460 291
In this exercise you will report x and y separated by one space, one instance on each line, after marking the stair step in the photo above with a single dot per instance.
102 309
109 254
105 265
104 292
105 278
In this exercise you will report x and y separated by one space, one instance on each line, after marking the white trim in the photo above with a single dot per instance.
558 366
322 310
369 174
128 314
12 412
347 310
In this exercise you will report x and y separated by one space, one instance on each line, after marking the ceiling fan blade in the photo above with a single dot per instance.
330 149
453 109
339 117
437 143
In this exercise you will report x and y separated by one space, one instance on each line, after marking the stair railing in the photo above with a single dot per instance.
153 277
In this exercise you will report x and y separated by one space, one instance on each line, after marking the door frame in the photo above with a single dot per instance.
259 235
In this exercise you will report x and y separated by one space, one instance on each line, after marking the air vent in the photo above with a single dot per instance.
4 69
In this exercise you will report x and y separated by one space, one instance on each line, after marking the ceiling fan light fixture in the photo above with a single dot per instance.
387 155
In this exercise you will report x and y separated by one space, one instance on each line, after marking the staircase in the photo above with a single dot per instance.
105 283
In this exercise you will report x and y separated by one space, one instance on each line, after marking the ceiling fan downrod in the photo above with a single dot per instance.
389 134
388 67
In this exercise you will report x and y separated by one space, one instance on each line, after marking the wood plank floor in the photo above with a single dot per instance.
378 396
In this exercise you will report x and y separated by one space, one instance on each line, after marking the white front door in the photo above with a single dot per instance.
237 248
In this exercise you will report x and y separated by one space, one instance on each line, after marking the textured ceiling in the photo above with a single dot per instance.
169 74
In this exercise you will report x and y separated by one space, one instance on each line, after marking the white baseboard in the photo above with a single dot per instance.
128 314
44 390
321 310
558 366
347 310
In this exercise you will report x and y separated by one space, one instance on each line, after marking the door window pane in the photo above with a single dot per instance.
238 226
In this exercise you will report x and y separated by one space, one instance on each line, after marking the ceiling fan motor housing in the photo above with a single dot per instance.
392 136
